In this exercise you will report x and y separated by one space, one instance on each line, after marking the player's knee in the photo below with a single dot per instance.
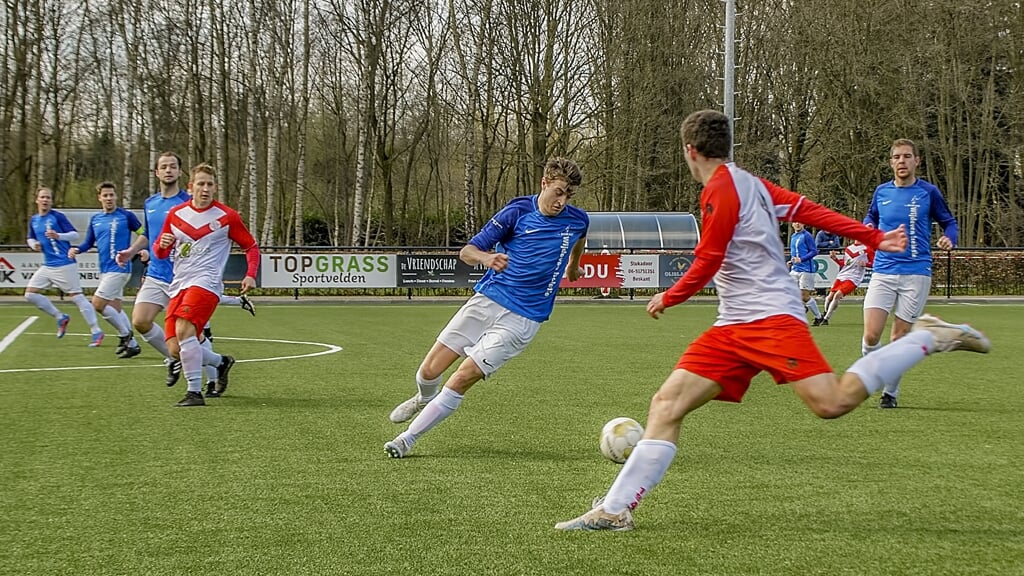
827 412
828 409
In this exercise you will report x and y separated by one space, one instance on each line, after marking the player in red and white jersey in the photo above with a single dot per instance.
761 324
855 260
197 236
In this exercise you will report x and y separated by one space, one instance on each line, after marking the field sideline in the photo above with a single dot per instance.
286 474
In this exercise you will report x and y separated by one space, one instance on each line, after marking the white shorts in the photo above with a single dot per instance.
904 294
112 285
805 280
154 292
488 333
63 277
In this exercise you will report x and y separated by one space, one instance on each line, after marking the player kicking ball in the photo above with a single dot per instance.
198 234
761 324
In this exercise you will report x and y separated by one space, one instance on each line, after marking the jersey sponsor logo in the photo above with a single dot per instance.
185 250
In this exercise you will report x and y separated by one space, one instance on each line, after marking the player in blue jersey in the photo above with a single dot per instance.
541 237
900 282
110 231
154 294
802 250
51 233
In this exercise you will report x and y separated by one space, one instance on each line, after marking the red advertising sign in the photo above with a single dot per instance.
599 271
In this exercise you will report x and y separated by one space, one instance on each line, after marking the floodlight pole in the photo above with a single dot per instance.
729 76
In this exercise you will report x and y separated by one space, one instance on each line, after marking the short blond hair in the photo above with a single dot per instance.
203 168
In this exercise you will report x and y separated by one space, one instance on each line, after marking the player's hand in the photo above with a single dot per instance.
657 305
796 260
144 255
894 240
52 234
166 240
72 253
123 257
248 283
574 273
498 261
945 243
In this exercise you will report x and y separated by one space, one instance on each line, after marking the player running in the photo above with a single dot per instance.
51 233
198 235
855 260
110 231
152 296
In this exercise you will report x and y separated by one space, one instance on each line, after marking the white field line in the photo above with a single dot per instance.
13 334
329 349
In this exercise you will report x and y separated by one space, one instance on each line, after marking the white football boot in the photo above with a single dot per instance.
949 337
406 410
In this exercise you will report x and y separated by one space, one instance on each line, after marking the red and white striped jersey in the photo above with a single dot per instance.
856 258
202 244
741 249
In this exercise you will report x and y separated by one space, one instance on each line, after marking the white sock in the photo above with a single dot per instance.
192 363
866 349
831 307
230 300
885 366
88 312
812 304
427 388
432 414
211 372
43 303
210 358
155 338
640 474
117 320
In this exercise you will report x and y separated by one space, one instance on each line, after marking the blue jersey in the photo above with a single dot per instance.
802 244
916 206
538 248
111 233
157 207
55 252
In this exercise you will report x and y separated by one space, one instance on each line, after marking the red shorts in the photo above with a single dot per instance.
732 355
194 304
845 286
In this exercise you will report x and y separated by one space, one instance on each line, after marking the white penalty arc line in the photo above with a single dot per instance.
13 334
330 349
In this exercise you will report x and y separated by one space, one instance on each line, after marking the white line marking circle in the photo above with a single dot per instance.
330 349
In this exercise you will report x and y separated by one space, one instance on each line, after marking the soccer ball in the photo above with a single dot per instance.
618 438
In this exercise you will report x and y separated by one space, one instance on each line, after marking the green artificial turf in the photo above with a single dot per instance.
286 474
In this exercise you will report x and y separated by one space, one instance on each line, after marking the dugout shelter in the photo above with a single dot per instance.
642 231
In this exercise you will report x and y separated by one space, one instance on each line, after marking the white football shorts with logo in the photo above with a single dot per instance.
63 277
904 294
154 292
488 333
